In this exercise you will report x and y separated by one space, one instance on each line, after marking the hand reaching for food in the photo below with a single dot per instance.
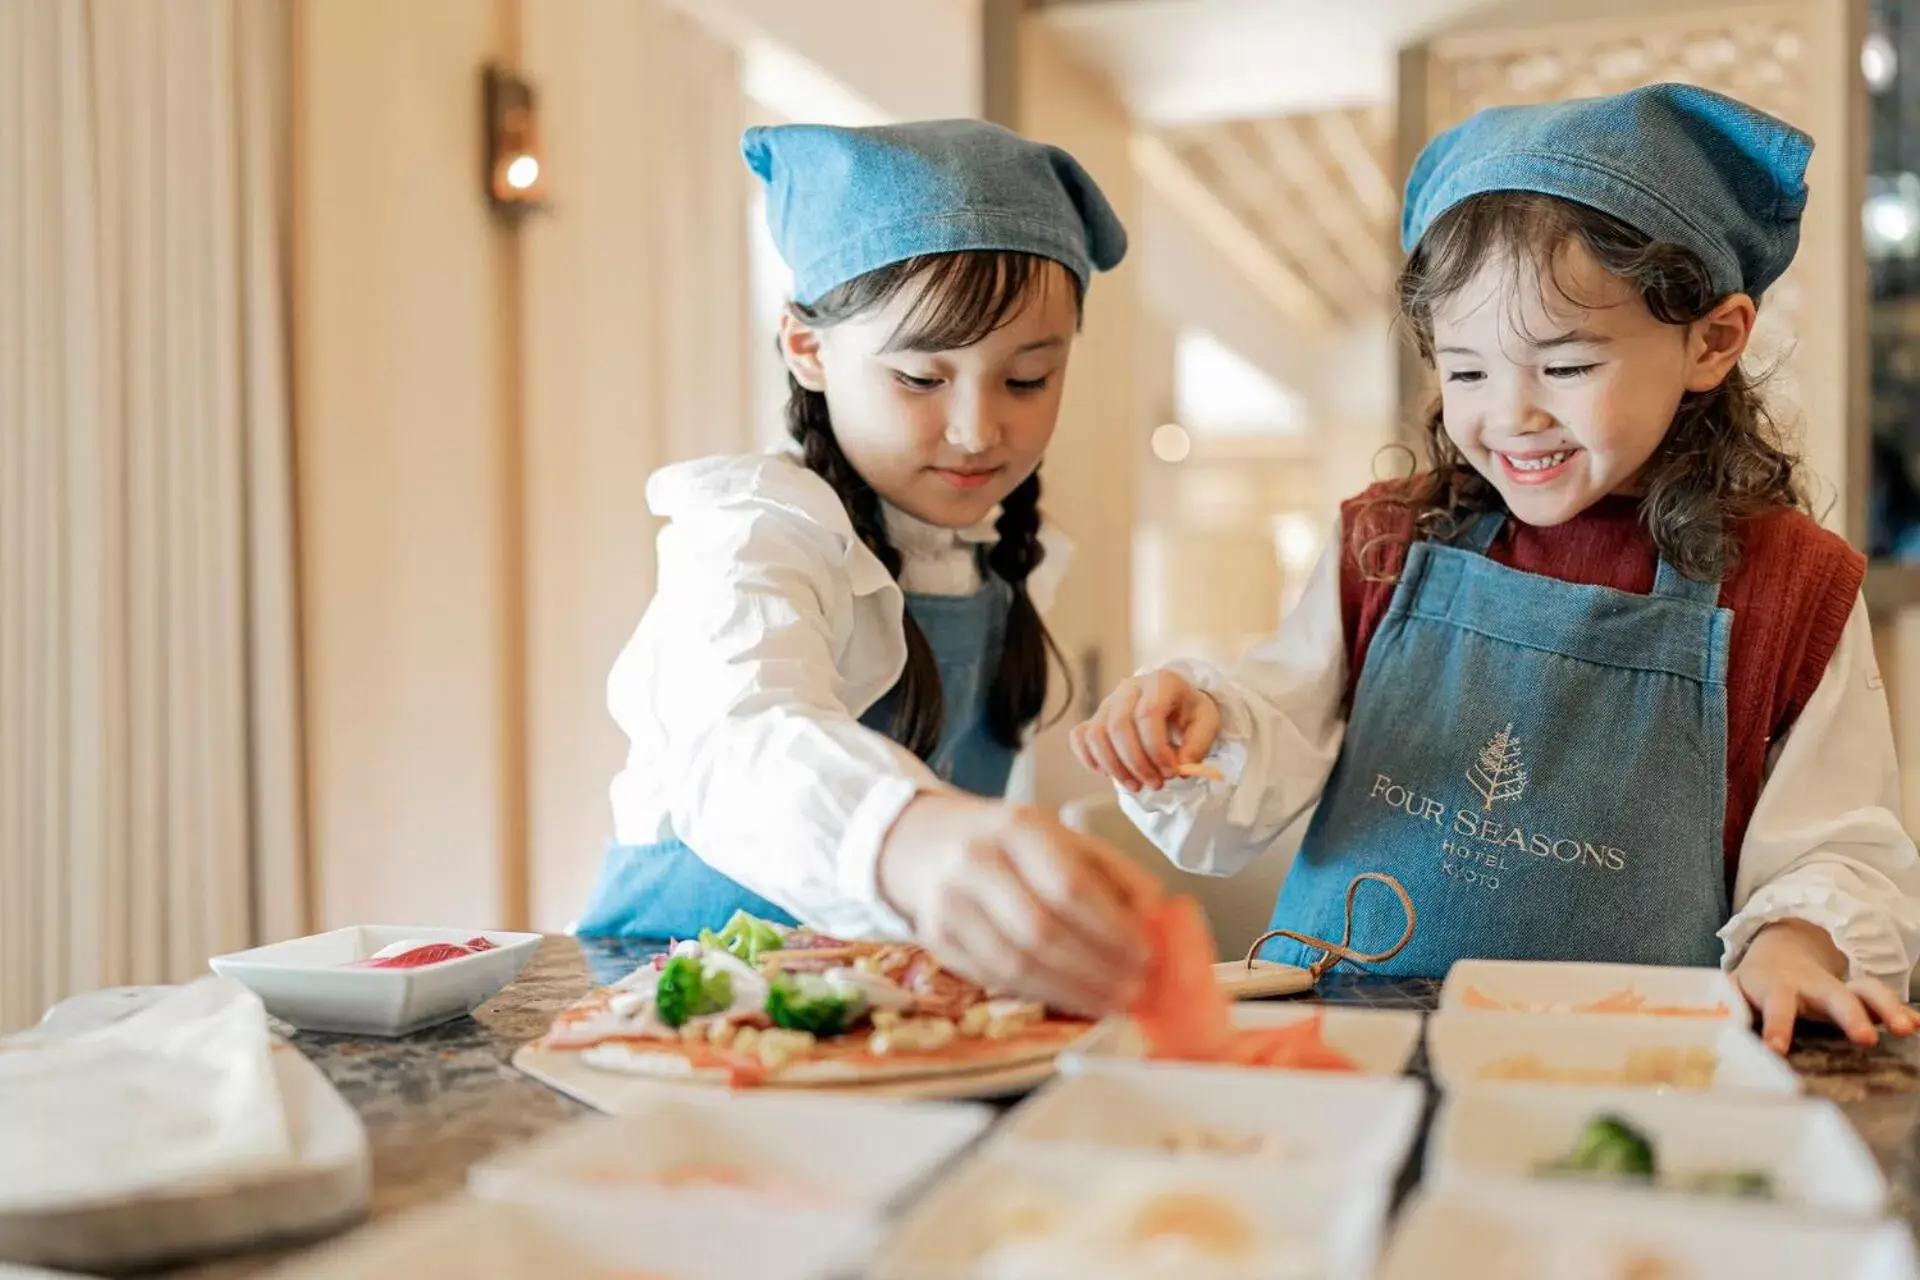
1150 729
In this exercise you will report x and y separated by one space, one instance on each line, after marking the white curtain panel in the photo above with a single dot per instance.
149 769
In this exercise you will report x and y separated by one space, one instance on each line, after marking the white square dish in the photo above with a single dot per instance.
1575 1049
1290 1120
1550 1233
318 983
749 1148
1598 990
1024 1210
592 1237
1811 1156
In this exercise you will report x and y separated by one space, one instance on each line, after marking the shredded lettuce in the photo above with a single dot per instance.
745 937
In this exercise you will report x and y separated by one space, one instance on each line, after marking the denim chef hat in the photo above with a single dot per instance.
843 202
1683 165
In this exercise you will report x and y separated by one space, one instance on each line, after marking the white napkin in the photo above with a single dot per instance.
182 1090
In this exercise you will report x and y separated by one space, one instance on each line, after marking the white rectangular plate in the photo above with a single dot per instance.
309 983
1530 1233
842 1154
1288 1224
1287 1119
1812 1155
1547 986
1381 1041
1462 1046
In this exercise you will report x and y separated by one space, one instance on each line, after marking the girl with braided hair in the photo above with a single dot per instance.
845 654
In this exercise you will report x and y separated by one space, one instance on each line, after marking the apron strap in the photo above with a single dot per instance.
1674 585
1338 951
1480 534
1668 582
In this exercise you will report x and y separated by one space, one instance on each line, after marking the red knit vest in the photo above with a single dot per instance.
1791 596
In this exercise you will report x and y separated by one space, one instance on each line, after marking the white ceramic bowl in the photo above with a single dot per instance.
315 983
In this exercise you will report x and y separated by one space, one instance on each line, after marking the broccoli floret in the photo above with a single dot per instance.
1749 1184
807 1002
745 936
1608 1147
687 991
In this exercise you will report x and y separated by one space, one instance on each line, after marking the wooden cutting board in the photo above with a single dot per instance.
323 1190
617 1093
1264 978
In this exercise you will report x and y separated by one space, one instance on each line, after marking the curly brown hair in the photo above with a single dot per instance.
1722 460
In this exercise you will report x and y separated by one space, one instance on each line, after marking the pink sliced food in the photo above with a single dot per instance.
416 955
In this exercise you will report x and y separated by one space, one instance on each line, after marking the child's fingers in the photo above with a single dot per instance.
1077 737
1844 1009
1199 724
1152 721
1107 760
1777 1012
1885 1005
1125 736
1154 714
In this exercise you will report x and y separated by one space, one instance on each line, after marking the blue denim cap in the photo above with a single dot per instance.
1682 165
843 202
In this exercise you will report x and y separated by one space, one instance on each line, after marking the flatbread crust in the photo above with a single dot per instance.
843 1060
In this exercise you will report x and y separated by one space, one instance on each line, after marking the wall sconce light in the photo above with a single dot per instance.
516 174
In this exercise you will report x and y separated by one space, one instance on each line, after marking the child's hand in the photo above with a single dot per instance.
1013 900
1130 738
1793 968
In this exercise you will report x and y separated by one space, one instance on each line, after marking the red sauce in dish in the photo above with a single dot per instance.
431 953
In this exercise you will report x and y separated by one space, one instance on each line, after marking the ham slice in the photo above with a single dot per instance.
1184 1015
1180 1009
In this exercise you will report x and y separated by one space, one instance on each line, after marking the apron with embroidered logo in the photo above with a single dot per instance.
1542 764
665 891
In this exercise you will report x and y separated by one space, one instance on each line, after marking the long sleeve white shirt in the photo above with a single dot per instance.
1825 843
772 630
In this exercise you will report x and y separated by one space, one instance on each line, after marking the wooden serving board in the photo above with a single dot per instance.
618 1093
322 1191
1265 978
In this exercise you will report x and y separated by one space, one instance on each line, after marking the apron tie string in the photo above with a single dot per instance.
1338 951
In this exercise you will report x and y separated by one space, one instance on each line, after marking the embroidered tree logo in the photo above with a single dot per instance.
1498 774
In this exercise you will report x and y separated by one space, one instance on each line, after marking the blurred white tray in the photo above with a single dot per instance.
1380 1041
1299 1121
1007 1191
1550 1233
1814 1158
577 1234
1550 986
841 1154
1460 1046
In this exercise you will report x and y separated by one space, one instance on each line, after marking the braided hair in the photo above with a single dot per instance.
963 297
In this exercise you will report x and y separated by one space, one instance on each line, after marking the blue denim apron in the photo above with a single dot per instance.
665 891
1542 764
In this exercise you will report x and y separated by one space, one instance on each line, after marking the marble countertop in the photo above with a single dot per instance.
440 1100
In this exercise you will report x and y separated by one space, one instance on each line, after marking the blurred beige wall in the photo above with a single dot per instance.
406 466
1091 473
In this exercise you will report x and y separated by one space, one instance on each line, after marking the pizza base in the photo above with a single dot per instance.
841 1061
